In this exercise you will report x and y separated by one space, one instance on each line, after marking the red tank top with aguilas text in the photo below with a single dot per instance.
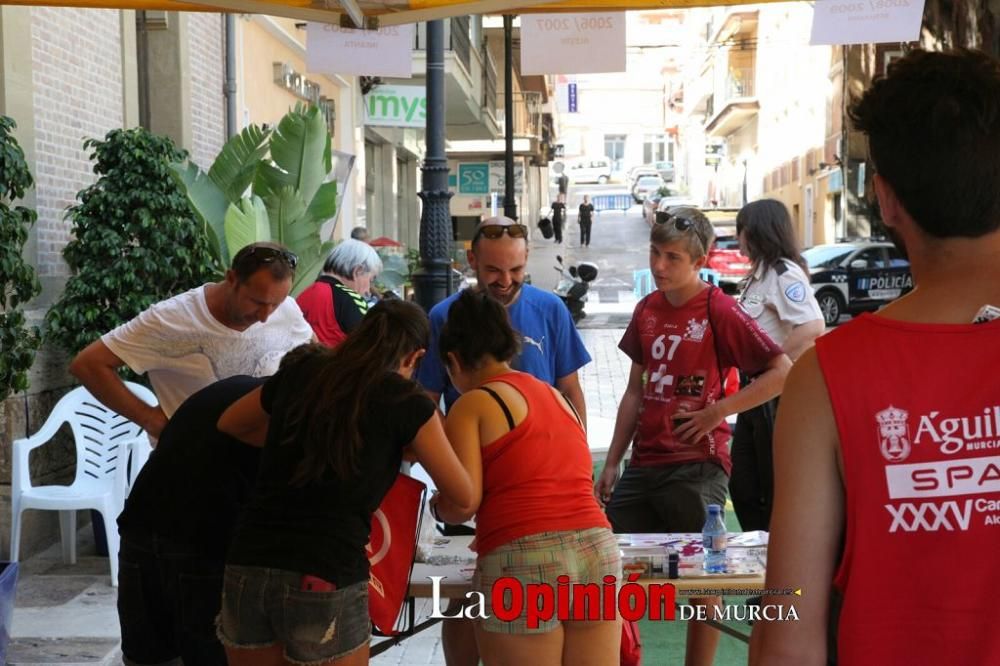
917 408
539 476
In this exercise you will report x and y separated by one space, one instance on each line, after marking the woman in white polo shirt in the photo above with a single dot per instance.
777 294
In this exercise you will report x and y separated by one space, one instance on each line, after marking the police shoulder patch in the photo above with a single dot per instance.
796 292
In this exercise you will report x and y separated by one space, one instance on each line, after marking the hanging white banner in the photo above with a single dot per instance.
387 51
866 21
572 43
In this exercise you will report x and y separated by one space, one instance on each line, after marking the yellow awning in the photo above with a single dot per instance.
393 12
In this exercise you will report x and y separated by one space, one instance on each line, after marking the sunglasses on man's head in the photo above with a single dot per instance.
261 255
495 231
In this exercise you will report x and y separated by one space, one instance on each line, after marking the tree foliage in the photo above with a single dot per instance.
18 282
136 239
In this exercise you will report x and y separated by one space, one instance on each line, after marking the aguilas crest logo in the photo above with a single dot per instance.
893 434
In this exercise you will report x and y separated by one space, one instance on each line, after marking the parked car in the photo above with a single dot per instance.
650 205
665 204
856 276
641 170
646 185
665 169
589 170
723 219
726 259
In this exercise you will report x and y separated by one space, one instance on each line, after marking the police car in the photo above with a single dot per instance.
856 276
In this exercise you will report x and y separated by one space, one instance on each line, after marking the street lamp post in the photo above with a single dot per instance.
432 280
509 204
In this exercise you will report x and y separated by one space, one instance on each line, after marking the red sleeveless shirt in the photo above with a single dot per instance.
917 408
539 476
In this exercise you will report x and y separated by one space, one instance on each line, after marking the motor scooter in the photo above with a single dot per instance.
574 283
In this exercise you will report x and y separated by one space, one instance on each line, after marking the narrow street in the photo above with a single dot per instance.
619 242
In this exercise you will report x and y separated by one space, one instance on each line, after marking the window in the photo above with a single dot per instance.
896 258
655 148
873 257
614 149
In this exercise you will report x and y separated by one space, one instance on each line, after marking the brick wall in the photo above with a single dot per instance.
77 94
208 109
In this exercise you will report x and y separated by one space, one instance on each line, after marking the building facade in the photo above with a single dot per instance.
757 102
628 117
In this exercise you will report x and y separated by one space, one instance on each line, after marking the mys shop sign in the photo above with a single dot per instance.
396 106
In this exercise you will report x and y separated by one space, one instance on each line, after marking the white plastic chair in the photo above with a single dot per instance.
104 441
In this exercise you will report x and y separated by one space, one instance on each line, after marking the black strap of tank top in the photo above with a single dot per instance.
503 406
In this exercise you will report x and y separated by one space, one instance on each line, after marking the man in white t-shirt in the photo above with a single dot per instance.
240 326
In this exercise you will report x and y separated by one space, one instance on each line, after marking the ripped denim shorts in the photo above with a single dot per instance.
262 607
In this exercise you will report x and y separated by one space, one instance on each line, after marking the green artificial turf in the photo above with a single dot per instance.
663 642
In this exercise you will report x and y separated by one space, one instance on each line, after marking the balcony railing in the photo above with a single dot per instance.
459 41
489 84
740 83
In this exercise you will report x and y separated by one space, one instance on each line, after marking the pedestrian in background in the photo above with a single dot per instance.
886 488
360 233
778 296
586 220
558 215
335 303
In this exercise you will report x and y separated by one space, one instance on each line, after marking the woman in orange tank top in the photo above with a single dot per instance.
537 521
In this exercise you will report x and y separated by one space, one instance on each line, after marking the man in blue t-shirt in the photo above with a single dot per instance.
551 350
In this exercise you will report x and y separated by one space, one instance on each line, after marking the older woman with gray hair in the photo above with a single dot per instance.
335 304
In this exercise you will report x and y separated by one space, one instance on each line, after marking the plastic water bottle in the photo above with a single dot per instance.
714 537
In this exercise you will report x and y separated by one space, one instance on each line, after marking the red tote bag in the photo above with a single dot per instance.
390 549
631 651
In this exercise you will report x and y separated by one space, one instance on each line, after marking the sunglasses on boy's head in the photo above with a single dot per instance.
495 231
680 223
261 254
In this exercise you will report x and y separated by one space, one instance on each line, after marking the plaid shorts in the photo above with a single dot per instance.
586 556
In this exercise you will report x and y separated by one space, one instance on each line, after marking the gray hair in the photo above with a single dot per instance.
351 255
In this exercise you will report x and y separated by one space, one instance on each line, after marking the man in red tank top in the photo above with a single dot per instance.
887 446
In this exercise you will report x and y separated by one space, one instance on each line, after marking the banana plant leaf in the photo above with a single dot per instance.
395 273
211 194
208 203
309 267
245 223
236 165
300 152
